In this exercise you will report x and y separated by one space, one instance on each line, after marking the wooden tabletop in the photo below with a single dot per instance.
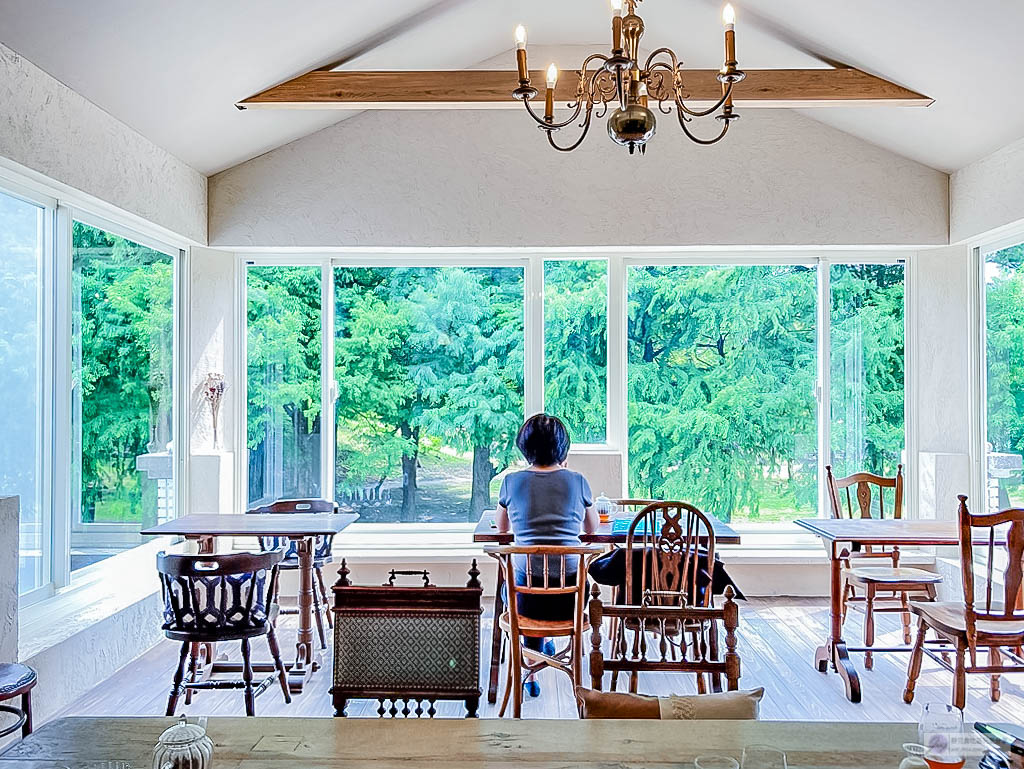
888 531
269 743
262 525
486 531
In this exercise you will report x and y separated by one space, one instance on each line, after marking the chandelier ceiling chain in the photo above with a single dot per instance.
620 79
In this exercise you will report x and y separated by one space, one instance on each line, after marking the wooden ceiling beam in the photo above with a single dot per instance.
483 89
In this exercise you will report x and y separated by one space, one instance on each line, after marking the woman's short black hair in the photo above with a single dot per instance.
543 440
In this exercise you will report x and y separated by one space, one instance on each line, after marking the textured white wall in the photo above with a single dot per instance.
9 579
52 130
213 321
487 178
988 194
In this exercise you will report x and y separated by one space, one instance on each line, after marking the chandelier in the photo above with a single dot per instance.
620 80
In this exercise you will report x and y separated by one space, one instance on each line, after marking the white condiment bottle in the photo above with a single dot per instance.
183 746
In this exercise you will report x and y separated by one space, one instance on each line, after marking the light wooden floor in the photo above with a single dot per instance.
777 641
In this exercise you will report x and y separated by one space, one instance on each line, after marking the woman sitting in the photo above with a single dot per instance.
545 504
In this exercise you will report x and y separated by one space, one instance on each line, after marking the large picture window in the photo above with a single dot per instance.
283 348
122 419
21 251
1004 377
429 373
867 368
722 367
576 345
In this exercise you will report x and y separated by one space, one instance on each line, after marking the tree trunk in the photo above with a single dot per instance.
409 473
483 474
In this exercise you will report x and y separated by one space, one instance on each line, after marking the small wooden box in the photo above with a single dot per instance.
407 643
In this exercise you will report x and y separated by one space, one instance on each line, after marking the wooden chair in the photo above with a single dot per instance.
673 539
644 656
892 581
17 680
997 625
321 555
211 598
551 567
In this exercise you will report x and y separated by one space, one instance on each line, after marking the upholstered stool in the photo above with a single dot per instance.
17 680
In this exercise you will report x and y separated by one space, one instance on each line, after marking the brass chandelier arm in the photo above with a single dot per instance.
702 113
545 124
585 125
696 139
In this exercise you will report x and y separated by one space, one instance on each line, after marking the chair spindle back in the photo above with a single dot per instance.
865 485
671 538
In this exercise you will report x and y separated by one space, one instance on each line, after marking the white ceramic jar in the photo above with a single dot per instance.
183 746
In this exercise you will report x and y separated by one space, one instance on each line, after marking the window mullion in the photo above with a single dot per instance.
533 375
62 507
824 384
328 390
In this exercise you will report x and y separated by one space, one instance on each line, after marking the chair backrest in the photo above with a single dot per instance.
676 541
322 544
205 594
995 606
866 486
548 572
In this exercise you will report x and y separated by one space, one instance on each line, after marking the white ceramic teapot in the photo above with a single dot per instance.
184 746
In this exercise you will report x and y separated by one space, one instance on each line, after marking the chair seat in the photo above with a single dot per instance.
880 575
539 628
949 618
15 679
291 564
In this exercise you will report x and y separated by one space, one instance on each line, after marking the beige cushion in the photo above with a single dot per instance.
742 705
725 706
616 704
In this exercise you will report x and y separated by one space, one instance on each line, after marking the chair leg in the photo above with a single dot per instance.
26 708
905 615
960 677
845 605
869 625
515 681
994 660
275 653
179 674
250 698
318 615
193 668
914 669
508 686
325 600
716 678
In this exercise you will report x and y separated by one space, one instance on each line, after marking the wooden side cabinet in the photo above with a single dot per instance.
410 645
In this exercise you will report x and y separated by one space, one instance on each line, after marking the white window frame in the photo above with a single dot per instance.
61 206
532 261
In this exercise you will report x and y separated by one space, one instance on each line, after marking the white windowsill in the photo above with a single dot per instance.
97 592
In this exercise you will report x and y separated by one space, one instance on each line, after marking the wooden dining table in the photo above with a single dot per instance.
303 528
486 532
839 534
290 743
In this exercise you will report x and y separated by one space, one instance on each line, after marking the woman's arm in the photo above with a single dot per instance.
501 519
591 520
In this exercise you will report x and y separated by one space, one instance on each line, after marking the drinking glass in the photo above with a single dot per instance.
715 762
940 730
763 757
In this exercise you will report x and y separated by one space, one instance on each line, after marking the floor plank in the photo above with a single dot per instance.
777 638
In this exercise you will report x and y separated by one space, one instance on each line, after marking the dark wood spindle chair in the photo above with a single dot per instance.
17 680
321 555
890 581
211 598
997 624
676 543
547 576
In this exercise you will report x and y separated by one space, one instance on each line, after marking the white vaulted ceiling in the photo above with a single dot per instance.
173 70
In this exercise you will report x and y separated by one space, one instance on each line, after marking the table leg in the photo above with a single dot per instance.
492 684
834 650
307 659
